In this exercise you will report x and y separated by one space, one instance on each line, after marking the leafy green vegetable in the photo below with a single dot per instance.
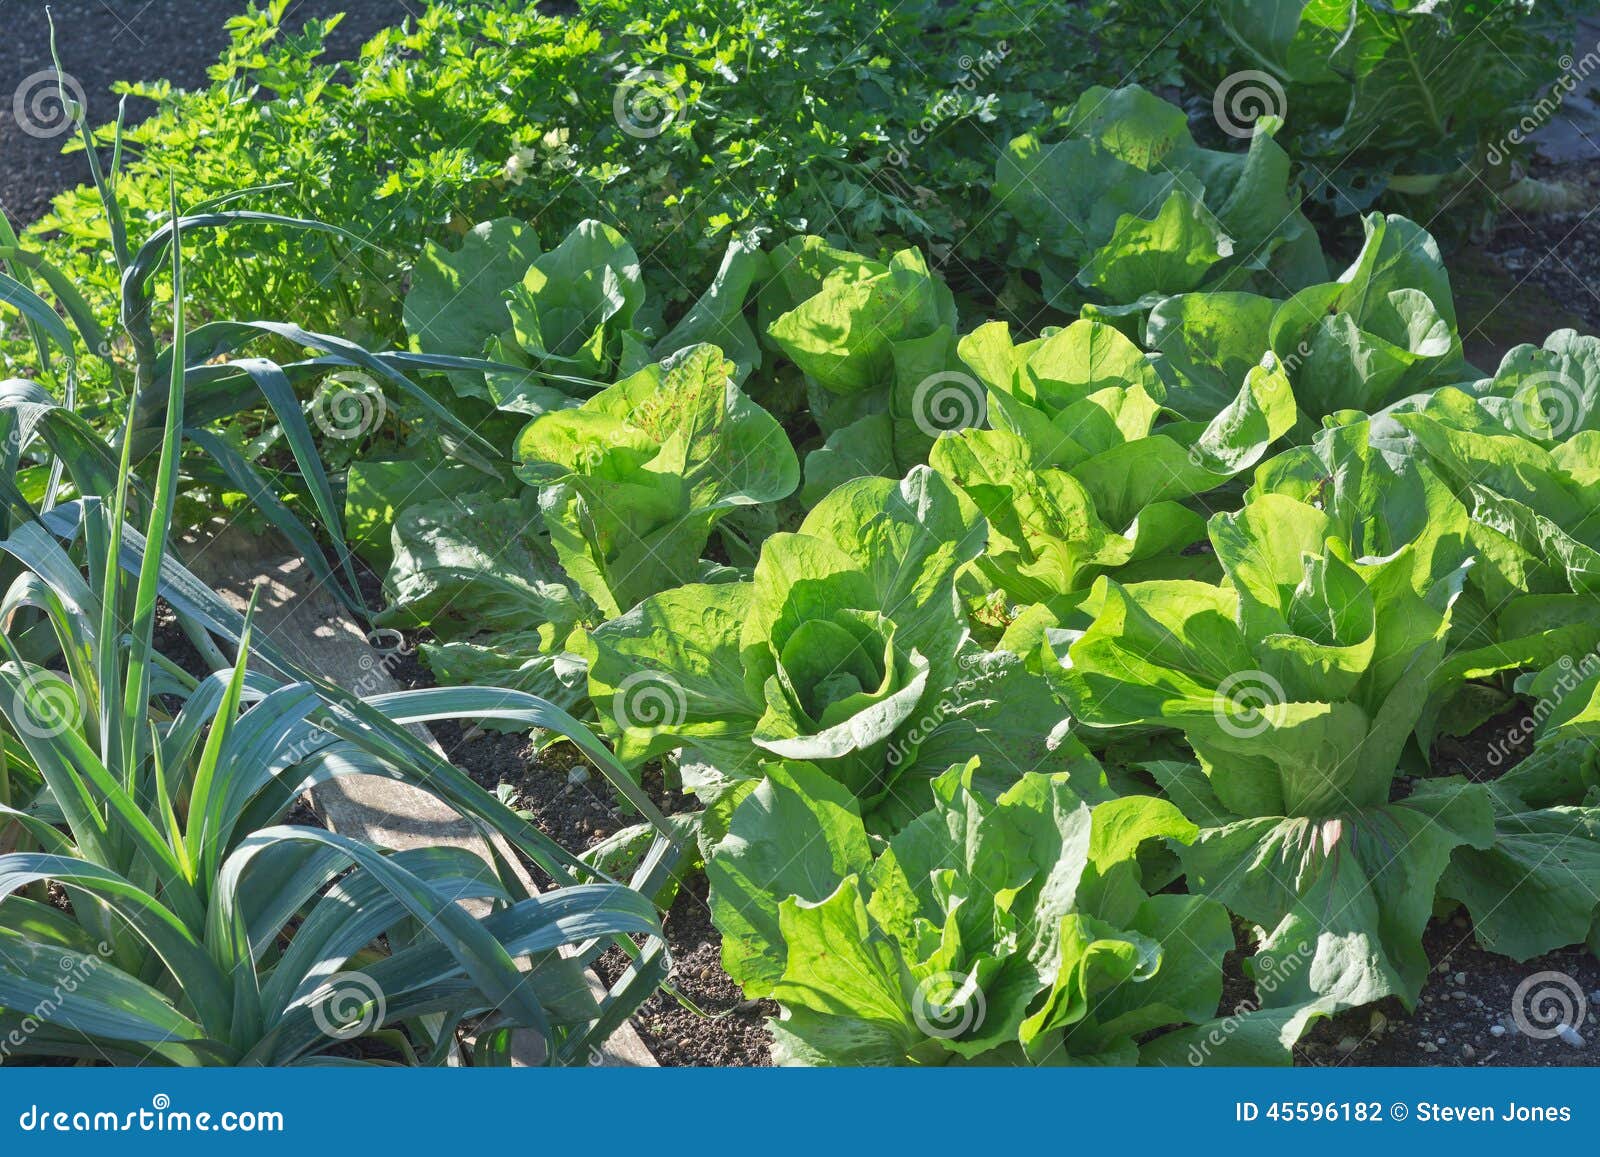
575 304
1086 401
875 342
848 650
1298 686
456 302
1383 97
481 574
1011 929
1384 329
636 478
1125 208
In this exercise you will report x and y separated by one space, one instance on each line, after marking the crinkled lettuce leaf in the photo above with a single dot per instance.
636 477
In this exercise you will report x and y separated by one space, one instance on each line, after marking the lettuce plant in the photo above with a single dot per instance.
848 649
635 479
875 342
1086 401
1385 328
1298 685
576 304
1009 929
556 326
1384 97
1532 496
1532 889
480 574
1124 208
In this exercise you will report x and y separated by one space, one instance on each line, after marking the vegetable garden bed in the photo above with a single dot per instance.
923 538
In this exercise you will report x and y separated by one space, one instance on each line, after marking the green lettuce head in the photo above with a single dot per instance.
637 477
1298 685
848 650
1125 208
575 305
875 342
1086 469
1006 928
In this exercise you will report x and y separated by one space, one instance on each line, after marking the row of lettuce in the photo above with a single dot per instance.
972 649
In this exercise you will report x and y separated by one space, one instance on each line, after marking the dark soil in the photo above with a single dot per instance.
1535 274
704 1019
103 41
1468 995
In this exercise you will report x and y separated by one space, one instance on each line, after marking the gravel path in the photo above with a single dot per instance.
103 41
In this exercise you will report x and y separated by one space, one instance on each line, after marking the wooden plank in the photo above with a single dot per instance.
305 621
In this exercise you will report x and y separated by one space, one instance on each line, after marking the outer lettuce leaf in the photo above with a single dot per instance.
1547 393
1210 341
1537 888
376 490
456 302
1126 209
718 317
1347 893
481 575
